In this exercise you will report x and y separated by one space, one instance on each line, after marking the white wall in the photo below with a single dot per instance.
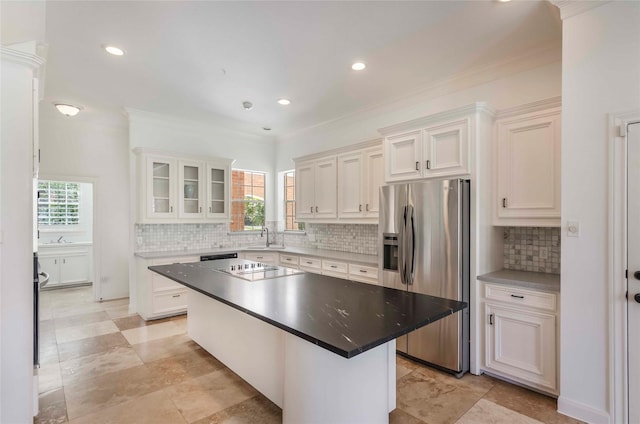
601 75
84 148
513 89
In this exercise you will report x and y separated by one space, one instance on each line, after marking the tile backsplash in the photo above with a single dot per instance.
353 238
532 249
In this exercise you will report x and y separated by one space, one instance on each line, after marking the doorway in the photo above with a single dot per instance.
66 240
633 267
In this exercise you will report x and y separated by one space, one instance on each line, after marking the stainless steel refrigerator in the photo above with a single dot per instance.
424 237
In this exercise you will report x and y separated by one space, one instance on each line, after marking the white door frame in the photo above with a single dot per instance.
617 260
95 248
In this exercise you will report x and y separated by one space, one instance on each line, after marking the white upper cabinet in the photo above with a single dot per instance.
160 176
178 189
527 171
431 147
191 186
359 180
316 189
446 149
404 155
340 185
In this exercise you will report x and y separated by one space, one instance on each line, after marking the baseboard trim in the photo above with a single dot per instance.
581 411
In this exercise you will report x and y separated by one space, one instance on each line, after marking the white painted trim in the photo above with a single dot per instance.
21 57
570 8
178 155
553 102
582 411
617 263
351 148
95 236
438 118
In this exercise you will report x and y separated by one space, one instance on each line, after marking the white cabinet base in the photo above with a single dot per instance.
310 384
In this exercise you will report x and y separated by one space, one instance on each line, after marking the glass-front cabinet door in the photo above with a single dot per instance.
161 188
191 189
217 188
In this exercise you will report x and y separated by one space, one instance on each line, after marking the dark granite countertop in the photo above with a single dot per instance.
342 316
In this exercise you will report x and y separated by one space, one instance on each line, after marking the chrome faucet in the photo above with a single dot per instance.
262 234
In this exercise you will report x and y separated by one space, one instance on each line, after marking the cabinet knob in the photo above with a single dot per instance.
636 275
176 295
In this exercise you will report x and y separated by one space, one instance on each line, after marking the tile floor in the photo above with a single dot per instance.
101 364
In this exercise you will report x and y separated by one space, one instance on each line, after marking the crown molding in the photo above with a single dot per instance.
477 107
340 150
180 155
570 8
553 102
33 61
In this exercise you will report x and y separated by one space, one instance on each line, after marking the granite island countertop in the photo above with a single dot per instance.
525 279
342 316
358 258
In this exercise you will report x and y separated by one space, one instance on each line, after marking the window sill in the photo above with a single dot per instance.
295 232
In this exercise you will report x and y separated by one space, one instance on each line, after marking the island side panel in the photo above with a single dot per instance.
251 348
321 387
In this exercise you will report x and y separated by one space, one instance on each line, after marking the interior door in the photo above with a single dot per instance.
633 260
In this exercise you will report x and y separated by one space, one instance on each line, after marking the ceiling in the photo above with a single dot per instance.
201 60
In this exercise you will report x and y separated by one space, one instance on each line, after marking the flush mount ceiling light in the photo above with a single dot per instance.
116 51
358 66
247 105
284 102
67 110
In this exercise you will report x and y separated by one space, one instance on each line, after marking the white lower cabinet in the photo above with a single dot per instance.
310 264
158 296
520 336
270 258
363 273
290 261
66 265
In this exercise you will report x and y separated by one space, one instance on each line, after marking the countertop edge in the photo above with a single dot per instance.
524 279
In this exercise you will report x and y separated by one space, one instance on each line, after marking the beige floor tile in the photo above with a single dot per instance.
81 319
258 409
90 366
486 412
87 396
163 348
90 346
154 408
398 416
69 334
152 332
437 399
49 377
528 402
203 396
52 408
119 312
63 311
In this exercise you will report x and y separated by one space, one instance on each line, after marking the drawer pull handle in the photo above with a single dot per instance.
417 166
259 257
176 295
367 208
517 296
363 270
334 266
309 263
288 259
490 319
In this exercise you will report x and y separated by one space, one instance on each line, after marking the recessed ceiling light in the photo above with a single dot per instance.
284 102
67 110
116 51
358 66
247 105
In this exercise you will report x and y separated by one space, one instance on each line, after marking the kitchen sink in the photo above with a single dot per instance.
263 247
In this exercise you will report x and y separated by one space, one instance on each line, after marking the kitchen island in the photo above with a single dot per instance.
321 348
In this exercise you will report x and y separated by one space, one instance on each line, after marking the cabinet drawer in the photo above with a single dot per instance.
335 267
161 284
522 297
170 302
310 264
363 273
269 258
289 260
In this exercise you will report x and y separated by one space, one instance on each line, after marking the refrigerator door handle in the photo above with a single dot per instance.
411 244
401 247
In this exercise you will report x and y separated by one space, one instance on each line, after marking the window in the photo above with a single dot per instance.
290 203
247 200
58 203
